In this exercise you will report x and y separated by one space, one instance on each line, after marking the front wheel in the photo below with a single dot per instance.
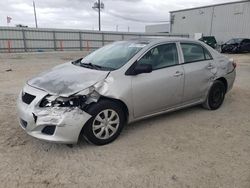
215 96
106 124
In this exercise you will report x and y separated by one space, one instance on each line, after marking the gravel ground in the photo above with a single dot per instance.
190 148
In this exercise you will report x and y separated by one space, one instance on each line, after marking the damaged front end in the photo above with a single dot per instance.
80 99
57 118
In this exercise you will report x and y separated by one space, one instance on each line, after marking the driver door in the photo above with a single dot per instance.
163 87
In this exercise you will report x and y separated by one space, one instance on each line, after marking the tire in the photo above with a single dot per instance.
106 123
215 96
221 50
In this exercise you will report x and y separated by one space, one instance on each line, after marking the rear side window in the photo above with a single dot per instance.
194 52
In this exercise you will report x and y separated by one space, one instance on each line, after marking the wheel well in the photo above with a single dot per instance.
121 103
224 81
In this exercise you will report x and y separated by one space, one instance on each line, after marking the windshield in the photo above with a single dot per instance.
234 41
112 56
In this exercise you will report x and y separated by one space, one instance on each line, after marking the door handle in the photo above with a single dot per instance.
178 73
210 66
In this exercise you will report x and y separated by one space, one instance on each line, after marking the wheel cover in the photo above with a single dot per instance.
105 124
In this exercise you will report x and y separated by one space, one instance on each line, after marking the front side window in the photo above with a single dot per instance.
194 52
238 41
161 56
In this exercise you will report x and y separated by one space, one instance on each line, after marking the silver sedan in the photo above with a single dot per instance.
94 97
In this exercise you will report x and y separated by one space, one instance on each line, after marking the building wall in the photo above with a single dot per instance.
157 28
13 39
223 21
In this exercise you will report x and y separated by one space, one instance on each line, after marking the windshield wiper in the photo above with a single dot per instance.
98 67
91 65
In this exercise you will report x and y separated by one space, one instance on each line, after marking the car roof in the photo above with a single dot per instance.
239 39
161 39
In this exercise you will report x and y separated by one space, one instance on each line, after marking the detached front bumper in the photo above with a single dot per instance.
55 124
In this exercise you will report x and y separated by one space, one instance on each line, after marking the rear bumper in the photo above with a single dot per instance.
230 77
67 122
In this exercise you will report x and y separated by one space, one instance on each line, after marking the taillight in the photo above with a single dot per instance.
233 62
234 65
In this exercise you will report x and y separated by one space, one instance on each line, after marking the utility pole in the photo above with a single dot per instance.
99 14
99 5
34 6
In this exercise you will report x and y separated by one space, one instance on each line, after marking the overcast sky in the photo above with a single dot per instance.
78 14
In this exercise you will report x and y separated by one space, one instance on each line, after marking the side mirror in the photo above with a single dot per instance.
142 68
136 69
77 61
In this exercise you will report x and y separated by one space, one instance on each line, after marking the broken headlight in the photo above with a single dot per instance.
52 101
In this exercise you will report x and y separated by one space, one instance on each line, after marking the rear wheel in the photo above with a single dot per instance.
106 124
215 96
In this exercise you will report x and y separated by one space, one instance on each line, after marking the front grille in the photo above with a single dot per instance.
23 123
27 98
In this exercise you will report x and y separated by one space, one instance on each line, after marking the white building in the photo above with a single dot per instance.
157 28
224 21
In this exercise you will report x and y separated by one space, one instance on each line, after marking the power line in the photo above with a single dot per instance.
135 19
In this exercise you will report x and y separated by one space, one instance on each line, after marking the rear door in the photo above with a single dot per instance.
199 70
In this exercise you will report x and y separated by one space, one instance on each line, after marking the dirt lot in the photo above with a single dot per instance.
189 148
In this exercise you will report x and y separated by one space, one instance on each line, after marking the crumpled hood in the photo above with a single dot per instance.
67 79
